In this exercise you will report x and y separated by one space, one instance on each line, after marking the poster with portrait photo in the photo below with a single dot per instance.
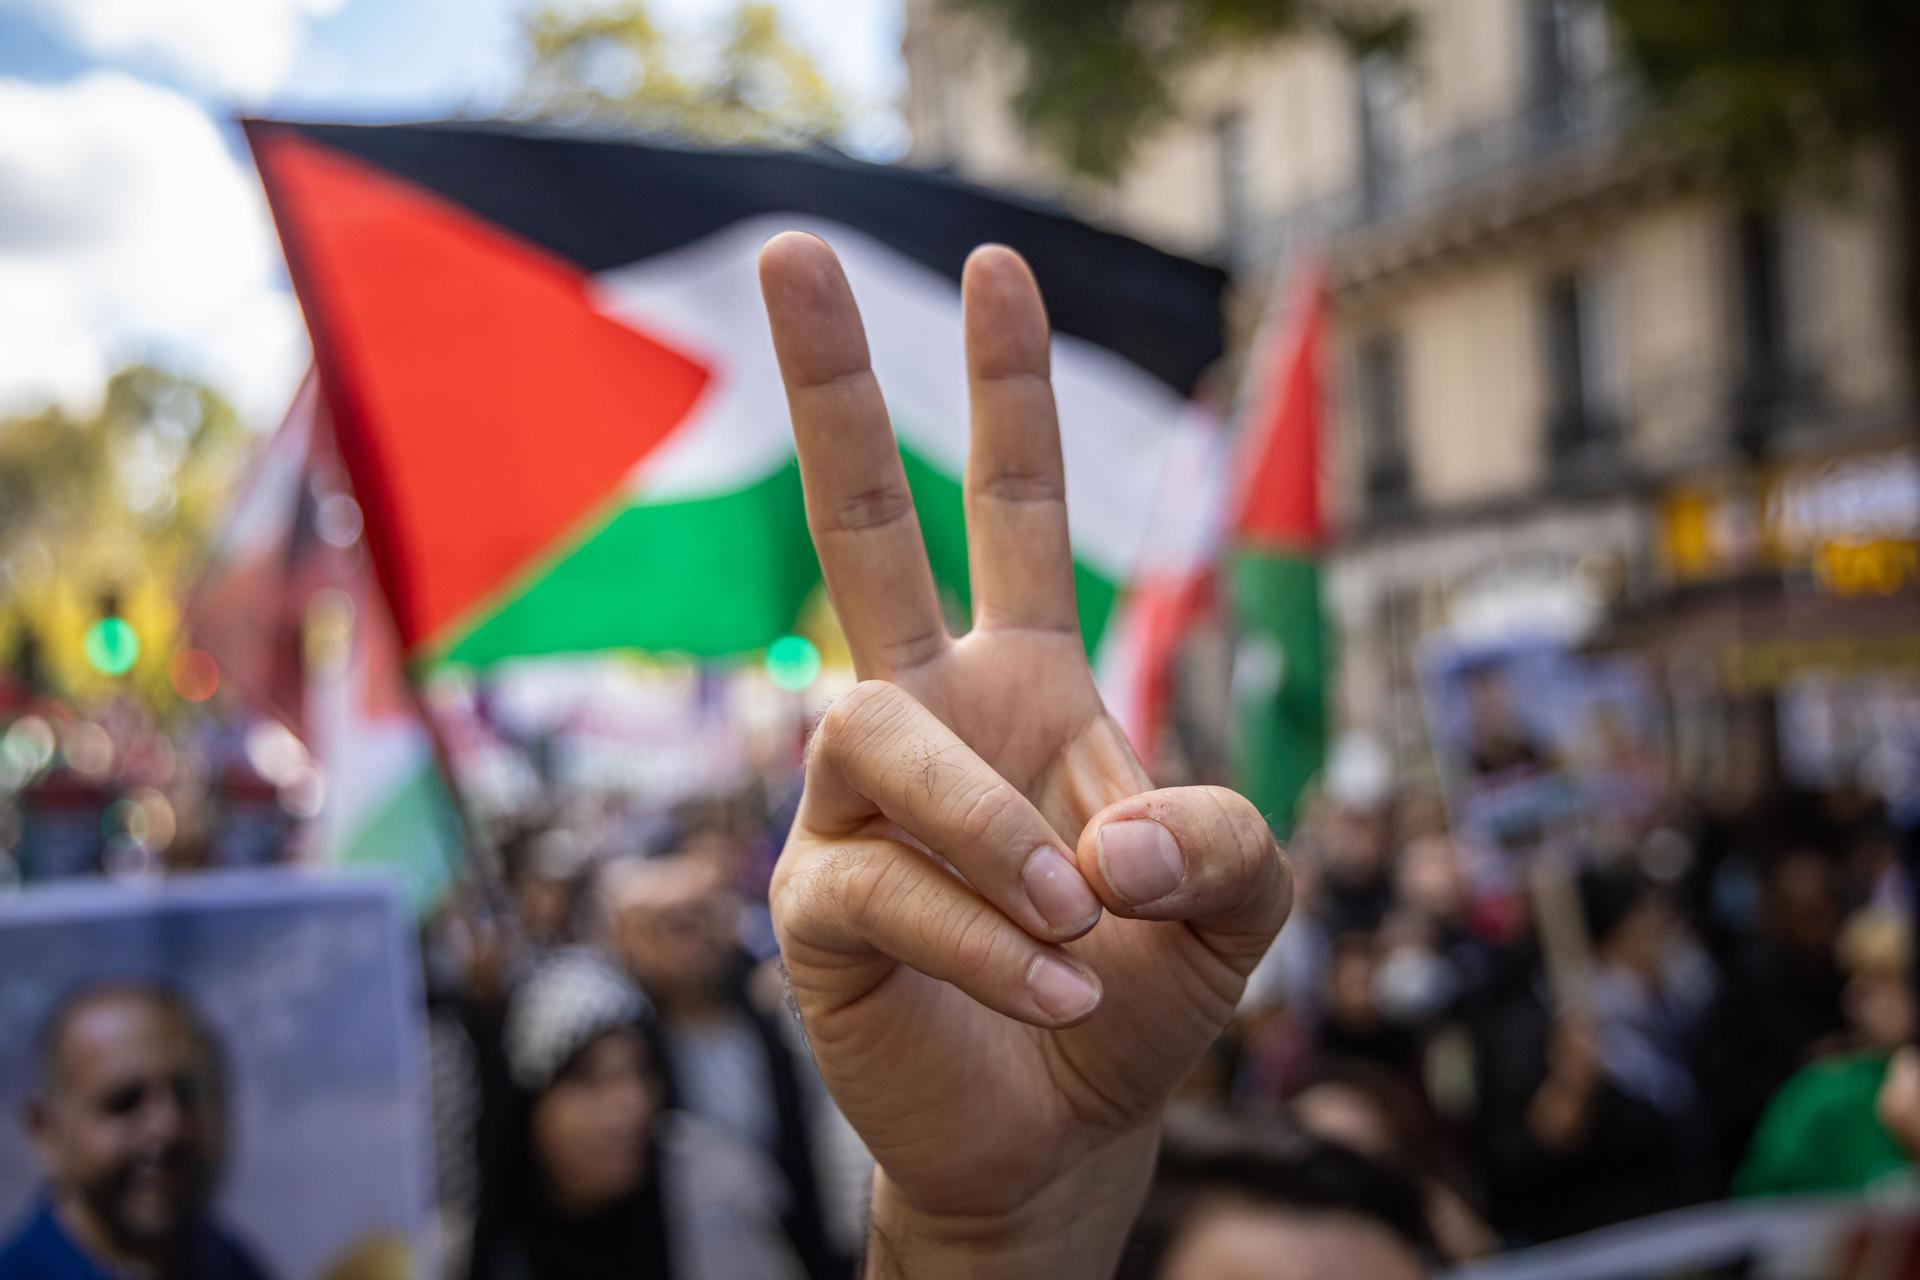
1614 736
1495 716
1535 739
229 1065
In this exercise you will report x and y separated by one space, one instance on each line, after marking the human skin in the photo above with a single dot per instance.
1002 1024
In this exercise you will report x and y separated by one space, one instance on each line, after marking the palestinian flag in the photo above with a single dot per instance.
556 397
288 610
1275 540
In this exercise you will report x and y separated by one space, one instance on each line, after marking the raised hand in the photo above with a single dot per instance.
1006 947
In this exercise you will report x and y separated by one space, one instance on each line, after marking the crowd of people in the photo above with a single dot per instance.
619 1079
1455 1046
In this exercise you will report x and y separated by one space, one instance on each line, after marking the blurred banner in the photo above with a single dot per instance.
557 401
1535 740
303 995
288 608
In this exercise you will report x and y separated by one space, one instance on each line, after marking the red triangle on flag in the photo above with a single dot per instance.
484 407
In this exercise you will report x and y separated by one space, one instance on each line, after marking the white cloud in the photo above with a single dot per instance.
238 47
130 231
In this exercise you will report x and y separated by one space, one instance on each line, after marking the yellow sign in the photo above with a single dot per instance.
1852 519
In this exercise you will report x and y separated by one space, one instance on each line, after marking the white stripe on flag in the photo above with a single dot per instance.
1121 428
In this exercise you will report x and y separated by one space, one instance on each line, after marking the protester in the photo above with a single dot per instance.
1366 1109
1263 1202
725 1056
1780 994
129 1124
1850 1122
544 867
597 1179
1589 1111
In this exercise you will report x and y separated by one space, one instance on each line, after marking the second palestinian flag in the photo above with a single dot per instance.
556 397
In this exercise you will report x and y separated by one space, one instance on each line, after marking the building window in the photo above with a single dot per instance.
1380 82
1581 426
1764 375
1230 154
1566 55
1380 408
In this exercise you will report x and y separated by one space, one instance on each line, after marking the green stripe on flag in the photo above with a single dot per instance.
714 576
413 833
710 576
941 504
1280 679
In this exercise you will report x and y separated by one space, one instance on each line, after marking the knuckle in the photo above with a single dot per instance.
990 810
868 708
1024 487
876 507
972 945
871 892
808 894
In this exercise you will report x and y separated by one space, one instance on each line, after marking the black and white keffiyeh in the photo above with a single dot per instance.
571 998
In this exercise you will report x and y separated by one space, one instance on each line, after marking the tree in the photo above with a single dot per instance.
742 82
1101 74
115 506
1775 90
1767 90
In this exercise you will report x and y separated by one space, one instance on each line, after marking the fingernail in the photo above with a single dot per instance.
1140 860
1062 991
1058 893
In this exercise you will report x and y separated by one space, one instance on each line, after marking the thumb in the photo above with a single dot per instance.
1203 855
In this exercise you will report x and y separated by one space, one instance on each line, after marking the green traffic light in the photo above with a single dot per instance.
112 647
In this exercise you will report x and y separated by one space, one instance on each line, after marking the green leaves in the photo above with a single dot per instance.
1101 75
741 81
1766 87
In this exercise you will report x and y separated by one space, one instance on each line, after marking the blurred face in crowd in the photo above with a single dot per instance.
1239 1240
1356 846
1876 950
1639 943
543 889
1350 988
1347 1116
544 904
724 851
130 1129
674 924
590 1126
1801 912
1429 878
1880 1010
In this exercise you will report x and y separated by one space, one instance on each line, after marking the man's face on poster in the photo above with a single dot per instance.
130 1126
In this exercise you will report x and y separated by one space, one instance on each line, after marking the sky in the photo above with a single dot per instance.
131 224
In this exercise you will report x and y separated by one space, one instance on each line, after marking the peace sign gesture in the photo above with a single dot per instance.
1006 947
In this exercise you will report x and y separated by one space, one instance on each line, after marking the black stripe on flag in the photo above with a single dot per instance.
604 201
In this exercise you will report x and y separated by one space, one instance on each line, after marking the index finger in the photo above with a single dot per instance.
858 506
879 751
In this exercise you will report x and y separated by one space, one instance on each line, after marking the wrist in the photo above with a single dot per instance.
1072 1227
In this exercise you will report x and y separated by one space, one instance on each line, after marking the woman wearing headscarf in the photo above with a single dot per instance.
592 1178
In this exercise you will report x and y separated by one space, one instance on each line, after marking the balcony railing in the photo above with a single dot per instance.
1585 121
